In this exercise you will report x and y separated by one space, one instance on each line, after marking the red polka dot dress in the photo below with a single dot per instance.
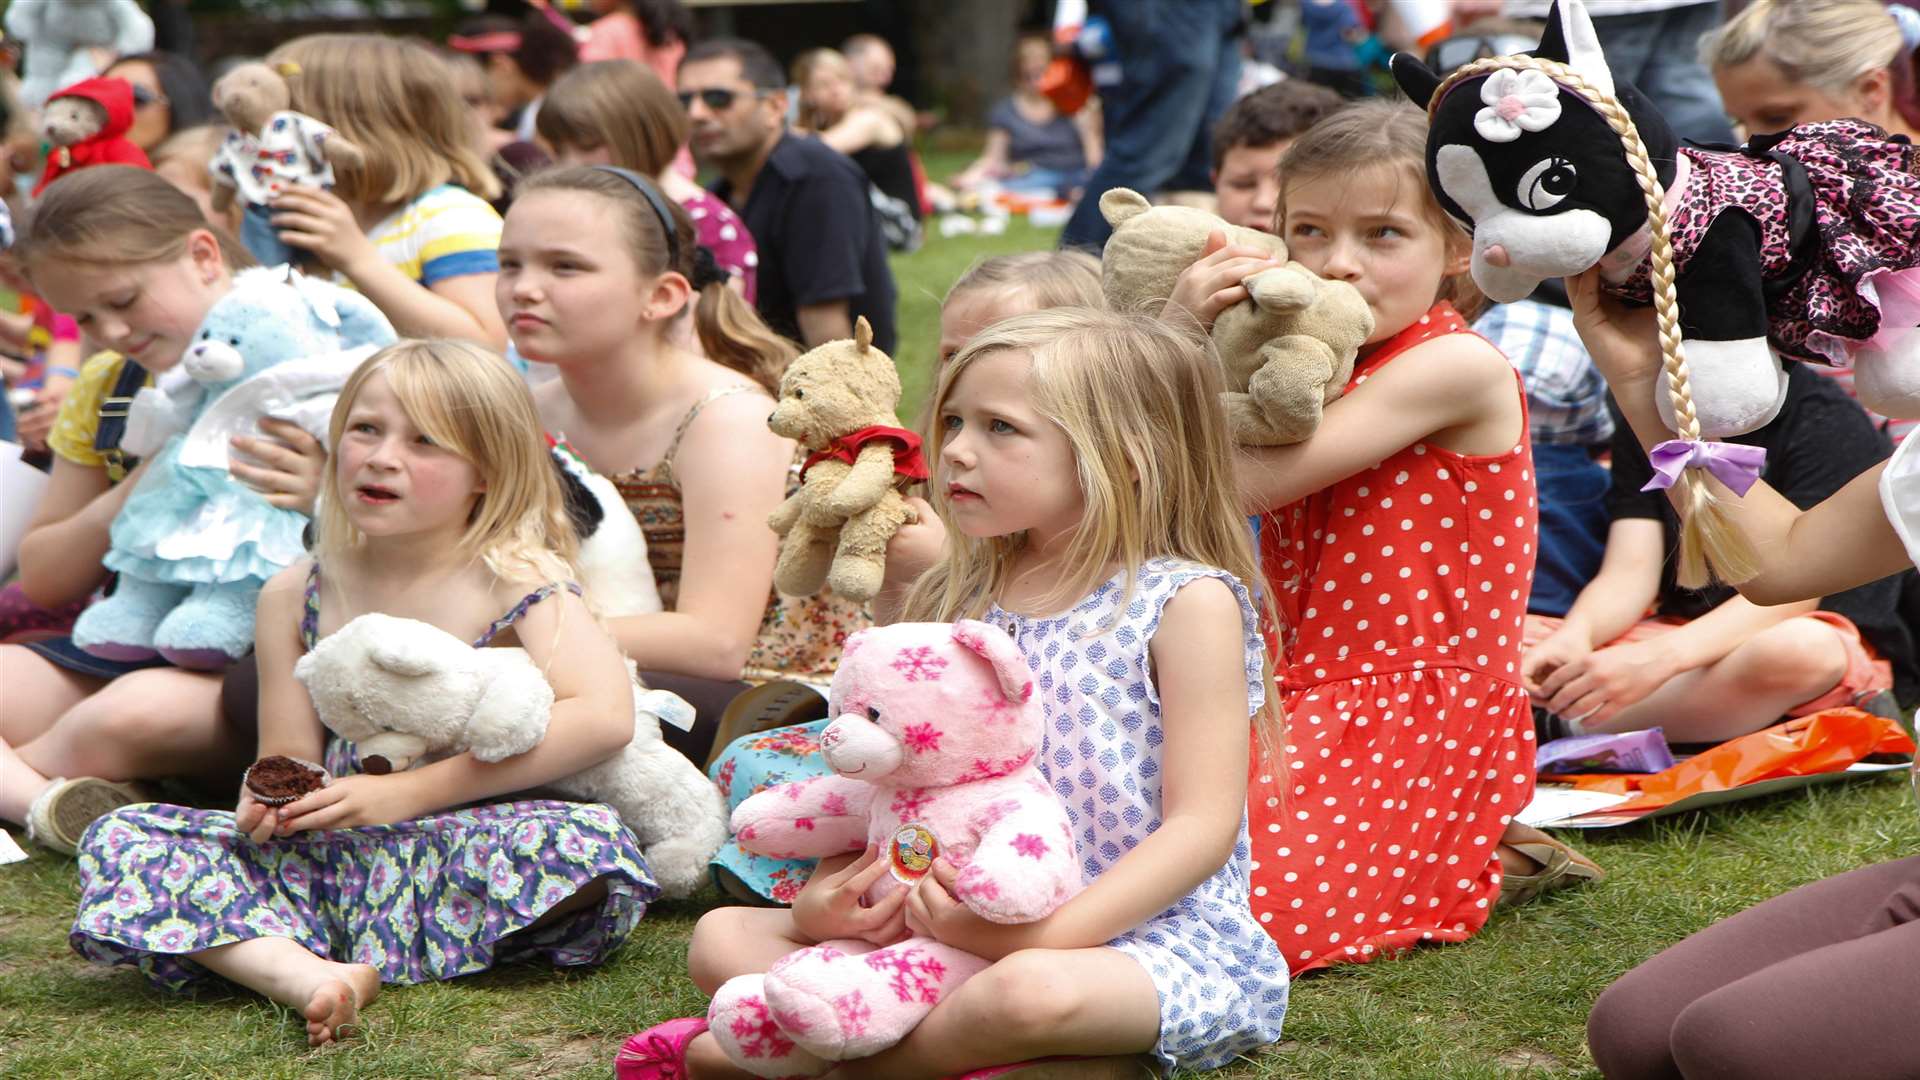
1409 745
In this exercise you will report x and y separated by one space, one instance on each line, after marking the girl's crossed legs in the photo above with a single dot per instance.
1033 1003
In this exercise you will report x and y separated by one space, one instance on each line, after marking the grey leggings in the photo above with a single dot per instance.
1820 981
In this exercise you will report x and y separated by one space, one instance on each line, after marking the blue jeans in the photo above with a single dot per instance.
1654 50
1573 525
256 233
1179 68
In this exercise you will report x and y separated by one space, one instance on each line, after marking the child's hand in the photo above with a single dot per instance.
1213 283
916 545
1624 342
1555 651
256 820
287 465
319 221
351 801
829 907
1595 687
933 912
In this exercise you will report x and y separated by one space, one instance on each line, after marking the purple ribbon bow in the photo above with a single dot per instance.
1734 464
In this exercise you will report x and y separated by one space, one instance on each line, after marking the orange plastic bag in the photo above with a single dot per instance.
1822 742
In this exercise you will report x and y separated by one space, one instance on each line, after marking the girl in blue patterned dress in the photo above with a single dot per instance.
1086 484
439 505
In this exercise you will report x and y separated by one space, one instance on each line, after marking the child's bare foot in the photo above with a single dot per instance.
339 992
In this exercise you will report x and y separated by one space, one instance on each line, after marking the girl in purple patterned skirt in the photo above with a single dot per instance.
440 505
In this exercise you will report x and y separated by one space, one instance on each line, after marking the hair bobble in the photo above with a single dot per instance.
706 269
1909 22
287 69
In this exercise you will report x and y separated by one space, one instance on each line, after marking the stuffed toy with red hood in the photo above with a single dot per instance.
86 124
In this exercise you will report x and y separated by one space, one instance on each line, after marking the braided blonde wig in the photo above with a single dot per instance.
1710 545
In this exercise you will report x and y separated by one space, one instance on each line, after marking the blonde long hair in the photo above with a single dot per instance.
1139 401
470 401
1826 44
1045 279
396 100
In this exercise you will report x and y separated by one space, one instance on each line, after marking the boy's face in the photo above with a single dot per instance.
1248 184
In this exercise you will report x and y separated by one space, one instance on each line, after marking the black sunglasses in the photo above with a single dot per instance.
144 96
717 98
1456 52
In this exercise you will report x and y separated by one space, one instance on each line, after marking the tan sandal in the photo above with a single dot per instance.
763 708
61 813
1560 866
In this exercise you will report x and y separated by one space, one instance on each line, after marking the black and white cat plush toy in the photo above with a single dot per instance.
1802 244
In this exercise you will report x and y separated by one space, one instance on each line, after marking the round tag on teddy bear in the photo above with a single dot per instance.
911 853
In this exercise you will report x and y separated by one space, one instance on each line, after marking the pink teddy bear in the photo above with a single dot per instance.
933 747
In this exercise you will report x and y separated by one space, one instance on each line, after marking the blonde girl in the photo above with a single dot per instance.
864 130
132 259
411 228
683 436
1087 480
1397 542
616 112
441 505
992 289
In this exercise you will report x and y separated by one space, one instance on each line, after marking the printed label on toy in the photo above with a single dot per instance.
912 852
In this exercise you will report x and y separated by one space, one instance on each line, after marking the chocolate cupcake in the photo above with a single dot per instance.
278 780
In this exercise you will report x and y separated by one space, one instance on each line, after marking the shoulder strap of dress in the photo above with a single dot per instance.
310 608
673 448
519 609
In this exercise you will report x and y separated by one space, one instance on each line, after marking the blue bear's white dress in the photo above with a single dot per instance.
1221 979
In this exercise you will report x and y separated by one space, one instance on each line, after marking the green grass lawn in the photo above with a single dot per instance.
1510 1003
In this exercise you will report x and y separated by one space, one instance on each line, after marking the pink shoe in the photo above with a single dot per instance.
660 1052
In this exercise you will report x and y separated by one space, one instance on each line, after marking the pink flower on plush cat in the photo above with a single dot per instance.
934 751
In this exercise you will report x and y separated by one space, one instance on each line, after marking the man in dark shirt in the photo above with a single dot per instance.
823 260
1711 665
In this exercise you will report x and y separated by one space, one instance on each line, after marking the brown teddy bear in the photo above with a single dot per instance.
86 124
837 401
1287 351
270 149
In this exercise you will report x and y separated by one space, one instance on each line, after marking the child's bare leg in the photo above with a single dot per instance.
1751 687
741 941
1035 1003
329 994
157 722
706 1061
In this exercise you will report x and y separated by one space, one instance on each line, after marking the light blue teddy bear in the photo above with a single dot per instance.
192 545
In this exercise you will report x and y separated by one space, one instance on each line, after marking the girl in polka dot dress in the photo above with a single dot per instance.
1086 483
1398 542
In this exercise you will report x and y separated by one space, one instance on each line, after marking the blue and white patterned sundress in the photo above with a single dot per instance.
1221 979
444 895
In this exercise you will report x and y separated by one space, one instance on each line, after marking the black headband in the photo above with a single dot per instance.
659 203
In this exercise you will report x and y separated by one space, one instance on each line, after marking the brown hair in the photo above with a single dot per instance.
118 215
1272 114
621 105
730 331
1376 133
396 100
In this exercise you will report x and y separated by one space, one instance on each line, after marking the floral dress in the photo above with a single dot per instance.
1401 592
443 895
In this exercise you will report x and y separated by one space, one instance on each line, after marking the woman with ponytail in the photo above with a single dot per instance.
616 112
683 436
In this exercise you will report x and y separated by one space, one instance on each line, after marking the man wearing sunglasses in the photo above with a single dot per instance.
823 260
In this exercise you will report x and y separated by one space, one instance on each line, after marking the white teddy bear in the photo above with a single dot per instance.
404 691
